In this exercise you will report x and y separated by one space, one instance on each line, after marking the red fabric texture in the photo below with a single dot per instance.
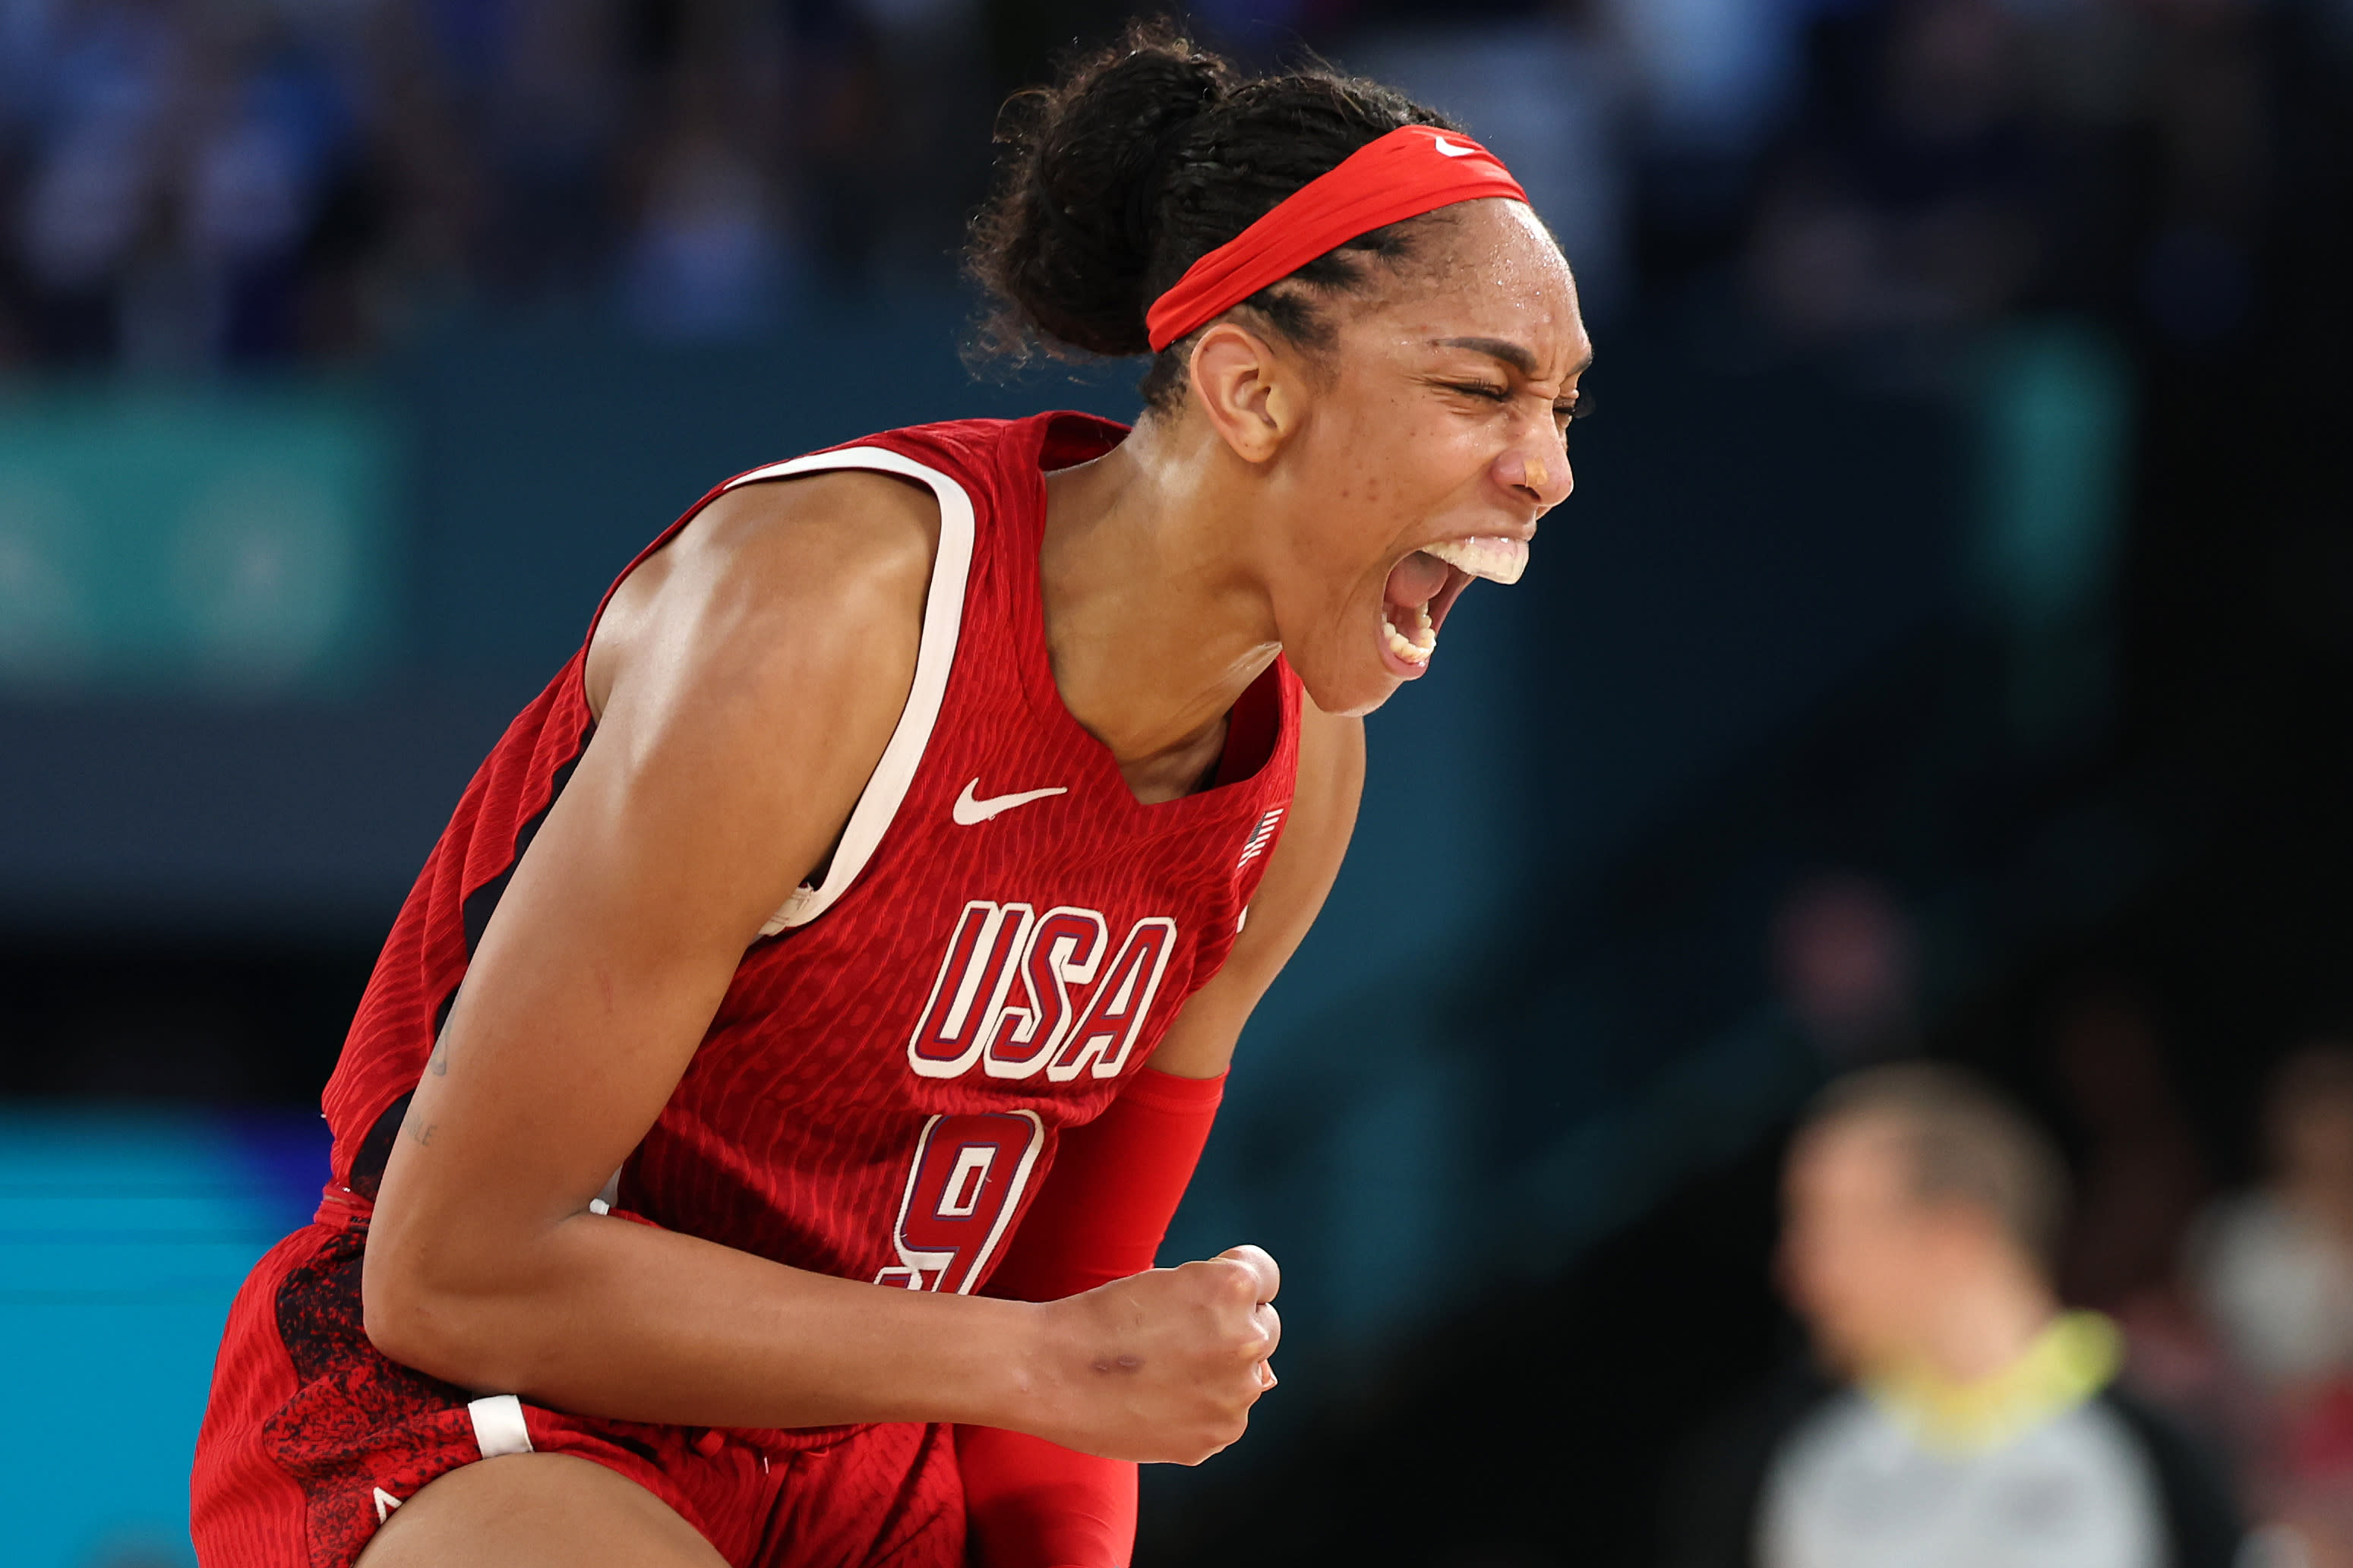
793 1135
1101 1217
1412 170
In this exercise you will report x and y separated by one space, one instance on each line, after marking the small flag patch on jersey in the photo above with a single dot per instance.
1260 837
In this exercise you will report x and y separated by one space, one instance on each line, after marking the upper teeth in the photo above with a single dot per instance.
1491 556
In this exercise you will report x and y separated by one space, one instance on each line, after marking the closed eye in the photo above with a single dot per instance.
1484 391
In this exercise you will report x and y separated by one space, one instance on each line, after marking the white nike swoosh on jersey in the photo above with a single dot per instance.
968 810
1451 149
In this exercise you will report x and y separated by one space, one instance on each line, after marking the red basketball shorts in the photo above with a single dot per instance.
312 1440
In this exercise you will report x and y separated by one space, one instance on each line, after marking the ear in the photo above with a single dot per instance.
1248 390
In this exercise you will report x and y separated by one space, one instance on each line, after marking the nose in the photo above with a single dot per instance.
1536 468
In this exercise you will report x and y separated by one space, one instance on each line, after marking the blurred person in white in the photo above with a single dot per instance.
2274 1268
1976 1424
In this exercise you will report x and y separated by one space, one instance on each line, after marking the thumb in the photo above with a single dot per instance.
1260 1262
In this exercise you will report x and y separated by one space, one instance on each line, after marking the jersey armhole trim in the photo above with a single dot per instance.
894 771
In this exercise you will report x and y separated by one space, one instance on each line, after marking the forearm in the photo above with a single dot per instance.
608 1318
1101 1217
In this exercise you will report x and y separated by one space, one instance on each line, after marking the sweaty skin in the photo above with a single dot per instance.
1267 514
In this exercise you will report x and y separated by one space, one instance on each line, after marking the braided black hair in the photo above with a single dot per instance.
1146 157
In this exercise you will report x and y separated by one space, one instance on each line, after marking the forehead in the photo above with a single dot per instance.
1853 1156
1488 269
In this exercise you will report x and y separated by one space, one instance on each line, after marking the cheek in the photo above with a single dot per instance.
1363 466
1395 451
1355 506
1846 1268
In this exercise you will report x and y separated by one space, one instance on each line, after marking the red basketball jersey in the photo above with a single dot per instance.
1002 936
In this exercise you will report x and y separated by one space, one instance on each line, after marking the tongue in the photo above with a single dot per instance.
1415 580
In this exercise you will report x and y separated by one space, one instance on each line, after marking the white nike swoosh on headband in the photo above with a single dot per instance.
1451 149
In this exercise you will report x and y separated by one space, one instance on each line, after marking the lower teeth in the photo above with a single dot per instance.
1417 649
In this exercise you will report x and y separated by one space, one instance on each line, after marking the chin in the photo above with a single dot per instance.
1343 692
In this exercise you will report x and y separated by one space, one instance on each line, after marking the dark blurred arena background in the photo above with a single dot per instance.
1948 649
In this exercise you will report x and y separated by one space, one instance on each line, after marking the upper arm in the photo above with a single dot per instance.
746 685
1200 1043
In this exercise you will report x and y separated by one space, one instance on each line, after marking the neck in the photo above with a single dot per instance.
2067 1361
1155 621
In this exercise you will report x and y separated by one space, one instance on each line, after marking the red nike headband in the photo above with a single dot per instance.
1412 170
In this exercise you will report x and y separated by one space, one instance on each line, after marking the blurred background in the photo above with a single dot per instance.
1949 650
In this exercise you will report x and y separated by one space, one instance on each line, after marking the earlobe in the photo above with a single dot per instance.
1242 390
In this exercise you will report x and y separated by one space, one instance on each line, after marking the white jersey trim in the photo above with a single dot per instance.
886 790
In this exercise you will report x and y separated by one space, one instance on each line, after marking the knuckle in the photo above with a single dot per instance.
1217 1277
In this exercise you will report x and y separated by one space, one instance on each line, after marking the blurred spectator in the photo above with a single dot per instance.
1906 201
1843 961
265 124
1957 160
2142 1180
188 180
1711 72
2274 1268
555 110
1967 1420
96 82
853 164
213 181
2143 1177
707 260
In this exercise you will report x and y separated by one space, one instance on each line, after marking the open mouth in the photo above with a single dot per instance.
1424 585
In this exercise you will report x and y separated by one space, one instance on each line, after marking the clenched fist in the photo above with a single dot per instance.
1163 1365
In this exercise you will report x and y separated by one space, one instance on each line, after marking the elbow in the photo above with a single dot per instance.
412 1319
398 1313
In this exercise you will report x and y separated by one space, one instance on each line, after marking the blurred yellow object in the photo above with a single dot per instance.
2071 1360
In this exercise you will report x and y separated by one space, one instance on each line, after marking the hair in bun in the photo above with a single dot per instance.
1143 159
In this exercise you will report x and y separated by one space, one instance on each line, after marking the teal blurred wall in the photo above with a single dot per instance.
123 1235
223 541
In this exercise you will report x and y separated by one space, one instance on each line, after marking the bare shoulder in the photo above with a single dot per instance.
772 571
856 517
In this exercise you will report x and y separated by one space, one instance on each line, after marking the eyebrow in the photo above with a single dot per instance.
1511 353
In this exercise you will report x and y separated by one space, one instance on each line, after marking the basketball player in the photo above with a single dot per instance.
752 1144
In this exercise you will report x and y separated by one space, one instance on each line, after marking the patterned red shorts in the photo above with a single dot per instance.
312 1440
